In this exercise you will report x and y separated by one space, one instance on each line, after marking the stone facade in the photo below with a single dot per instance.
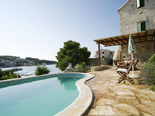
143 52
130 16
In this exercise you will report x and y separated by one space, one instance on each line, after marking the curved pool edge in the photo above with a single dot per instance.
83 101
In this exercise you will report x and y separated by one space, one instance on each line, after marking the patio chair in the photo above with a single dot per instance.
123 64
124 73
120 65
116 61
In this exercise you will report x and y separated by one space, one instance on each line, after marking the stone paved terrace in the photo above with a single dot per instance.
112 98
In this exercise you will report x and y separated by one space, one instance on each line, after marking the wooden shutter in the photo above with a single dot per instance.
139 27
138 3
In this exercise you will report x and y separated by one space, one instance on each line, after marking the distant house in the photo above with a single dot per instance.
137 17
104 53
7 63
18 59
13 63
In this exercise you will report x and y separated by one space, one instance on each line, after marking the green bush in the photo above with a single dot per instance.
81 68
148 71
41 70
152 59
8 75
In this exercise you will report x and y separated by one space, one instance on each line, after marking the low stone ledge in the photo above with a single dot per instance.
82 103
98 68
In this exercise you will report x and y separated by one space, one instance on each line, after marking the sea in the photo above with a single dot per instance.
28 71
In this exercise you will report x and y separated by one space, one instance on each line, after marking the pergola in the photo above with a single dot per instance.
139 37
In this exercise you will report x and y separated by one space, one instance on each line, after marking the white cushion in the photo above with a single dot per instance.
122 70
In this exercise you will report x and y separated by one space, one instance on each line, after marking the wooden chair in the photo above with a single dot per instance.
116 61
120 65
123 64
124 73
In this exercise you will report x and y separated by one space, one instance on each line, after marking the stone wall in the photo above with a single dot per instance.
129 17
143 52
104 61
93 62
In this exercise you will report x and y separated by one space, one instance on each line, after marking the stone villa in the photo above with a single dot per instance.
137 17
104 53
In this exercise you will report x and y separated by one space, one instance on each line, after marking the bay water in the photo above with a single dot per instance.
31 69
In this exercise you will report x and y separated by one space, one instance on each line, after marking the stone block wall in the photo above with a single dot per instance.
130 15
104 61
144 51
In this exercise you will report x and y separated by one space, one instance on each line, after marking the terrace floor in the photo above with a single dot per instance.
112 98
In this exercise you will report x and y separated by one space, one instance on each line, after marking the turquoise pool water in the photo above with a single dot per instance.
40 96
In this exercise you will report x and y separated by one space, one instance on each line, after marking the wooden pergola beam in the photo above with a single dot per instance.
120 40
123 39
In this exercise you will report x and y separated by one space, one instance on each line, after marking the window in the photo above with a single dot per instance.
102 52
141 26
140 3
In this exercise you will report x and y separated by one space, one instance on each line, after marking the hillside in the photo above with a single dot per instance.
7 61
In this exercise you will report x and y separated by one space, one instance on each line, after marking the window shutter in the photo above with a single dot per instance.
143 26
138 3
139 27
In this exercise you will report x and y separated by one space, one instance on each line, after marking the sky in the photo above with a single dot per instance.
39 28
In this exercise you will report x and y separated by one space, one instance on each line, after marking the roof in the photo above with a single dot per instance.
143 36
123 5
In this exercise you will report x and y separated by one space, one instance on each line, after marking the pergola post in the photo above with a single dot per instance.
154 41
154 44
99 56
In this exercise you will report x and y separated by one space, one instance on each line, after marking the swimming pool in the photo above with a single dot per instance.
38 96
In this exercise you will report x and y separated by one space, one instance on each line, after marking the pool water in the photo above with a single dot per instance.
45 97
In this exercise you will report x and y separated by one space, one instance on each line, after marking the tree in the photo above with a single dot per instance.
72 53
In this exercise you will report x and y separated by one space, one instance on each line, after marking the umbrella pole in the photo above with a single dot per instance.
132 64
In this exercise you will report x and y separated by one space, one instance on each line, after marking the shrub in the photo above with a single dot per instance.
80 67
148 71
41 70
152 59
8 75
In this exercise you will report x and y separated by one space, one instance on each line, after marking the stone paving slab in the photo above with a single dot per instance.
102 110
112 98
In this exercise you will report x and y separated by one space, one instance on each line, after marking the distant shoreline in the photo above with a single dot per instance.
23 65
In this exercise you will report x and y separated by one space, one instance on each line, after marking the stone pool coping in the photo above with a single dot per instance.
82 102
